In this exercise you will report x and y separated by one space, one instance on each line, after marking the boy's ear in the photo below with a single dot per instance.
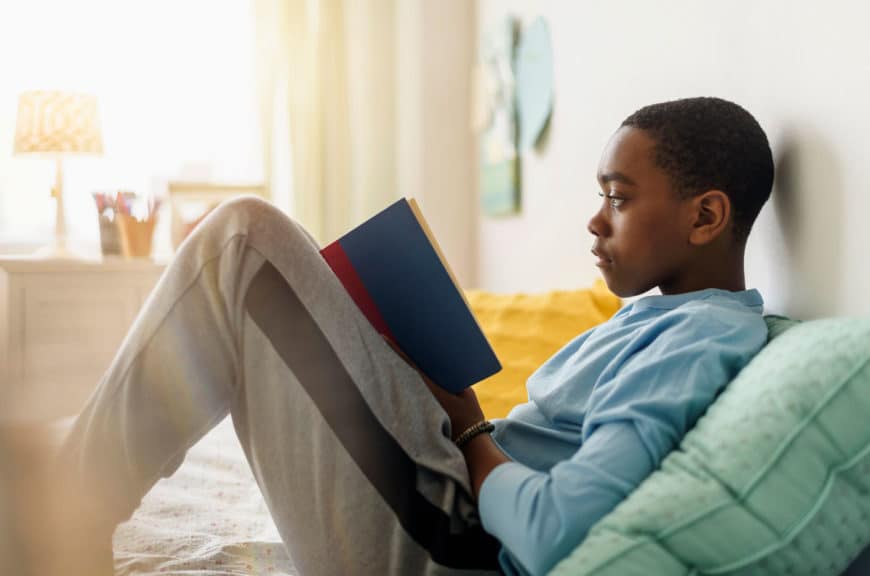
712 215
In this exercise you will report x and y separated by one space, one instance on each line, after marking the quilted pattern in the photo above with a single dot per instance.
774 479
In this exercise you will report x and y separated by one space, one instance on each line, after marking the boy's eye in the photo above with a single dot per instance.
613 200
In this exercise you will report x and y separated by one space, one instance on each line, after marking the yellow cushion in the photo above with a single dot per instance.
526 329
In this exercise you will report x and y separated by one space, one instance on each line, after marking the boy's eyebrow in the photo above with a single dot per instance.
615 177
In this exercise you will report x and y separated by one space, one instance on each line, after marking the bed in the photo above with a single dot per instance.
207 518
795 504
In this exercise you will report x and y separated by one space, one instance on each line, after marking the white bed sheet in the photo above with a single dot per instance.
208 518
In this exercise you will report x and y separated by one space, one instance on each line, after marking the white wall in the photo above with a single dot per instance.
801 67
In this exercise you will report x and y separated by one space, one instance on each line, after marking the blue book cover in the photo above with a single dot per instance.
393 269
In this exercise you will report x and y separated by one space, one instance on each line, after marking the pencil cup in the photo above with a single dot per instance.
135 235
110 239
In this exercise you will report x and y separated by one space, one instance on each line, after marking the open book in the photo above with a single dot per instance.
393 269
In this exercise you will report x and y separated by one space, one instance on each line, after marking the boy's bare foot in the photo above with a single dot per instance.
42 523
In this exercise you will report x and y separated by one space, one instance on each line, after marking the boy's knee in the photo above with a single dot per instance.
249 207
246 213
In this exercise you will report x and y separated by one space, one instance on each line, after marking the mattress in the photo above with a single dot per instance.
207 518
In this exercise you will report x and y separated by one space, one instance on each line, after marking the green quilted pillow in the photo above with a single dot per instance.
773 479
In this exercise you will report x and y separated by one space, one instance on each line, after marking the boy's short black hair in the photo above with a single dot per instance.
711 144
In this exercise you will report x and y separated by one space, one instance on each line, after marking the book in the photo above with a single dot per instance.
392 267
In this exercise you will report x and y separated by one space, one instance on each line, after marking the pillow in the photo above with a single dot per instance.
526 329
774 478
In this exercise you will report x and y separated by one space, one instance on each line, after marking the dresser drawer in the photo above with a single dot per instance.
62 328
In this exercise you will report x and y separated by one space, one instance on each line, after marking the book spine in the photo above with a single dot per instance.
341 265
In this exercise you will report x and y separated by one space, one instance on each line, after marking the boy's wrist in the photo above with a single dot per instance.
482 455
482 426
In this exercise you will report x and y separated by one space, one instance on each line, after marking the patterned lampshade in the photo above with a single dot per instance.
58 122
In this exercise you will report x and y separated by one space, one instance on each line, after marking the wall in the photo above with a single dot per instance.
801 67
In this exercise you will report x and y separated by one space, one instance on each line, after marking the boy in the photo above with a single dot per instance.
353 453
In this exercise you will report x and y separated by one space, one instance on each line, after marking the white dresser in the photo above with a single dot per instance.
61 322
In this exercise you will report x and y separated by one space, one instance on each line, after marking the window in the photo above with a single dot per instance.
177 94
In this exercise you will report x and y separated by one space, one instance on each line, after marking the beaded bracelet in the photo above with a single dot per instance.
482 427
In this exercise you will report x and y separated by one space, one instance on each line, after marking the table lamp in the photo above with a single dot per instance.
54 124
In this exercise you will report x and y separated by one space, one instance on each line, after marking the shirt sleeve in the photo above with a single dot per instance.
633 420
539 517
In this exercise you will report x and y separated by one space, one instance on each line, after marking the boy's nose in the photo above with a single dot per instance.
597 225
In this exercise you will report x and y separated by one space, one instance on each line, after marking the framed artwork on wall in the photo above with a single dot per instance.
499 163
512 106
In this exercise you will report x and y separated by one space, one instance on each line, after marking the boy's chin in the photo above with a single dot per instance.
625 289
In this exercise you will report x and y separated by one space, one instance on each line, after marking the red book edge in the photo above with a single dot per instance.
341 265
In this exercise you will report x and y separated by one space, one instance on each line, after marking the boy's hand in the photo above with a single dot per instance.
462 408
481 454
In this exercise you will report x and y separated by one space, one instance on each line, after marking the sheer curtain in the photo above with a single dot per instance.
326 93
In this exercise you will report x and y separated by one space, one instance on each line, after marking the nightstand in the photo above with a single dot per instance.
61 322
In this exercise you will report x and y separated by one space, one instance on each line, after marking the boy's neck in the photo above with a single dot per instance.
724 272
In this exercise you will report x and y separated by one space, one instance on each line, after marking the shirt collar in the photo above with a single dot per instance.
750 298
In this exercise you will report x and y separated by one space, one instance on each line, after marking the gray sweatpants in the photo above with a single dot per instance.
349 447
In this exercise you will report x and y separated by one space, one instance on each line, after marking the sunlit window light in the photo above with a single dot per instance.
176 87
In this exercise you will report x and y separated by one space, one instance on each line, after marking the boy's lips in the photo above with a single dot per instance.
603 259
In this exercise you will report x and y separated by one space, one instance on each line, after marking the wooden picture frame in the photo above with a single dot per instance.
190 202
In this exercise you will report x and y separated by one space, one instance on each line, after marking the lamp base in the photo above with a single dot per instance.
57 250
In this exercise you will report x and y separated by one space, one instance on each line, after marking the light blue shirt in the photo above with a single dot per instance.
603 413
